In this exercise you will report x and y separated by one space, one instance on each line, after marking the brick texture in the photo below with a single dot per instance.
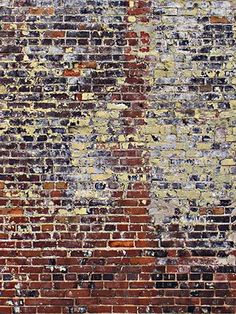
117 159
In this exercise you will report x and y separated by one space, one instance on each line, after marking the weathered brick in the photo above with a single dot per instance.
55 34
117 156
41 10
219 20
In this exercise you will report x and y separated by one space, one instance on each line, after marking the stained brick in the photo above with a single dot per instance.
219 20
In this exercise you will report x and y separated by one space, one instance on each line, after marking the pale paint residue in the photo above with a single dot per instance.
159 210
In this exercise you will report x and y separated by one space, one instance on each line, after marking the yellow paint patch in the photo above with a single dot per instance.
81 211
114 106
3 89
77 211
131 4
233 104
234 80
84 122
228 162
132 19
79 146
230 65
69 49
204 146
230 138
120 80
84 130
101 176
30 129
192 194
87 96
162 73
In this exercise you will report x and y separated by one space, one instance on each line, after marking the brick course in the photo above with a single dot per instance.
117 176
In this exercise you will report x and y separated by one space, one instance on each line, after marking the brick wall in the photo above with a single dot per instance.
117 136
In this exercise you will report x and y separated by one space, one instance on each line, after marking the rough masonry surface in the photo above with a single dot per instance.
117 159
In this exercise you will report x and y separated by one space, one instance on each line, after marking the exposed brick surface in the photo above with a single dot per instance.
117 135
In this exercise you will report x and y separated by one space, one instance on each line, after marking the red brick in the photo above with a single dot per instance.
86 65
5 310
48 185
41 11
219 20
121 243
70 72
55 34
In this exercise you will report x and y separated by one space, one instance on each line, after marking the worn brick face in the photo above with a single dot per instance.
117 135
